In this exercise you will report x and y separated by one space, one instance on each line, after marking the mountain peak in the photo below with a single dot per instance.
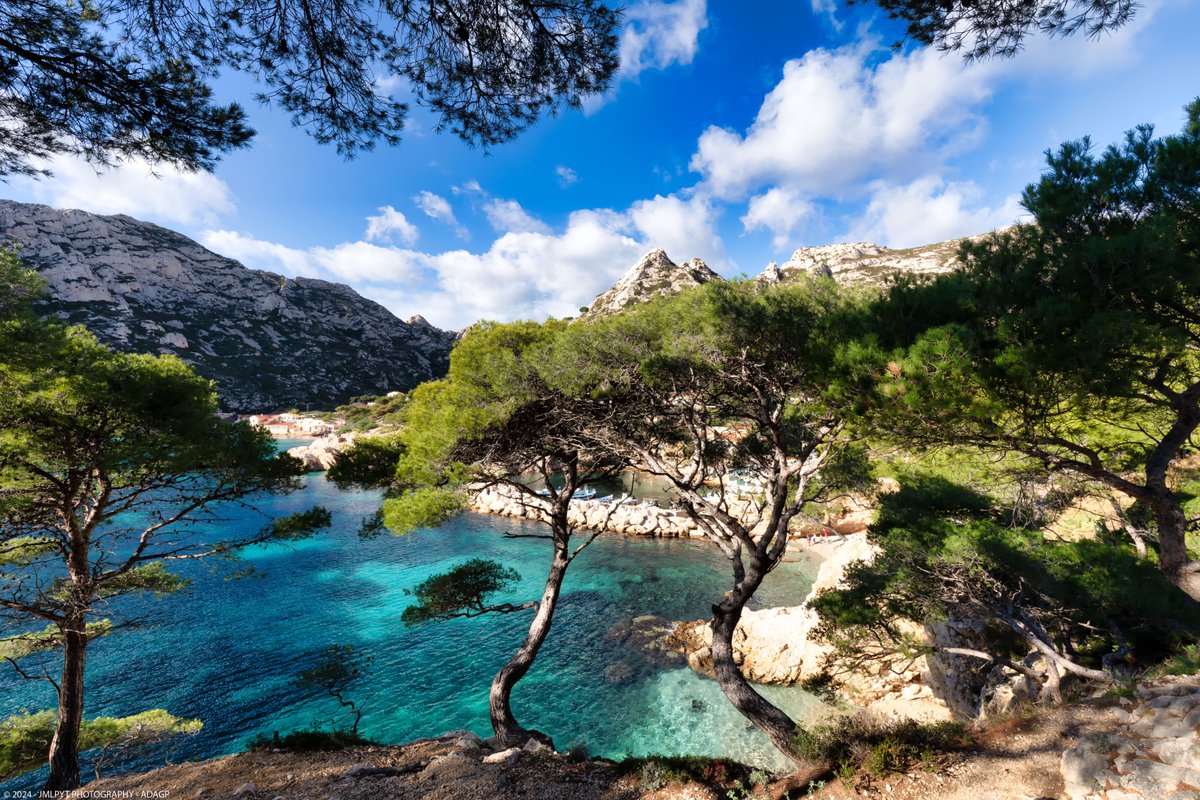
653 275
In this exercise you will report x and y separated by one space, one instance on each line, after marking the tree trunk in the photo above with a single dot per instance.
1172 545
774 722
508 731
64 747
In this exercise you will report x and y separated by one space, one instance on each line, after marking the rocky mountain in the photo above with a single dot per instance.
864 262
268 342
655 274
856 263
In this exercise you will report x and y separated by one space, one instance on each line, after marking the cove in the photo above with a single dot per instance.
225 651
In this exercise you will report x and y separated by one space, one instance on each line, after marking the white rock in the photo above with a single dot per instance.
503 757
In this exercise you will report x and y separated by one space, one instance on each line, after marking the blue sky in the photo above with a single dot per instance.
736 132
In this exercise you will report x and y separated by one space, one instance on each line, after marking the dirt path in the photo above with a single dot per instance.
1017 760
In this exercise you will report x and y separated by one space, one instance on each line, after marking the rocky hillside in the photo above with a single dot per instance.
863 262
268 341
855 263
654 275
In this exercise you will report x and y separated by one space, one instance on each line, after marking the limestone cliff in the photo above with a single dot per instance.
864 262
266 340
856 263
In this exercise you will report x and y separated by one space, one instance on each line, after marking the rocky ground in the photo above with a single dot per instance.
1146 746
450 768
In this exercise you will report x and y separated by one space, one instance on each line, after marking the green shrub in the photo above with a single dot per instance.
308 741
1185 661
656 771
865 742
25 738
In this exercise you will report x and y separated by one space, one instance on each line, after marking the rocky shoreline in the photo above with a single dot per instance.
771 645
633 518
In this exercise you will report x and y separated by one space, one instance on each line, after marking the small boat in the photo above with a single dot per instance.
586 493
606 499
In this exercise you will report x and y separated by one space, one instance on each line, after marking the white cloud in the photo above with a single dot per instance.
930 210
684 228
532 275
508 216
828 9
566 176
391 225
530 271
470 187
779 210
356 263
659 34
258 254
161 193
438 208
837 117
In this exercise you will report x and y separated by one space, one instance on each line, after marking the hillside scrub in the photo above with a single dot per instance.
25 738
1049 610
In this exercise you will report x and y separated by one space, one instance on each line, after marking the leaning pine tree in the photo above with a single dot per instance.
493 422
730 375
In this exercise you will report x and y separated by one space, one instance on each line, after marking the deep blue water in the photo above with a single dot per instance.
225 651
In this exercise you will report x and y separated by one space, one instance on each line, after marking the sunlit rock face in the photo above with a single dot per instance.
852 264
653 276
267 341
864 262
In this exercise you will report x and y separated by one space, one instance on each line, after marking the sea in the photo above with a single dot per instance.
227 650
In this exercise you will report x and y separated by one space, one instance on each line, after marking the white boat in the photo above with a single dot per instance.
586 493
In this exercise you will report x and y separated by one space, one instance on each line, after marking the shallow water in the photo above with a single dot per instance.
226 651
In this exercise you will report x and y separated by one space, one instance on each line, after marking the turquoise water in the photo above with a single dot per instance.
226 650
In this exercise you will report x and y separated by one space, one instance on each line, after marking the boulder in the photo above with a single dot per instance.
503 757
321 453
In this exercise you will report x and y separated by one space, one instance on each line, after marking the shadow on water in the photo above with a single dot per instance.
225 652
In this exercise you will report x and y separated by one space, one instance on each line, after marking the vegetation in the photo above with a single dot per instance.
310 741
114 79
862 743
368 412
997 28
1074 340
494 421
656 771
1043 608
671 380
109 466
25 738
462 592
370 463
